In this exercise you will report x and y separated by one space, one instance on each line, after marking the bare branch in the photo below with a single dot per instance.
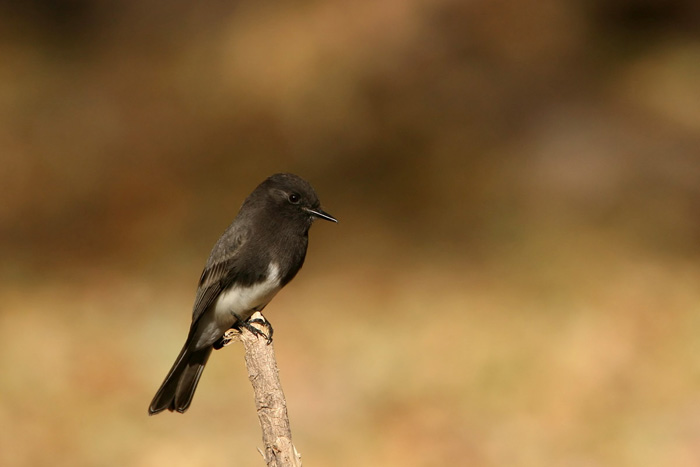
270 402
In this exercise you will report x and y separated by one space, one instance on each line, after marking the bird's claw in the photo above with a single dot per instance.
255 330
228 337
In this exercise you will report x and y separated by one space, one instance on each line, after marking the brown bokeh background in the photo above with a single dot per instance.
515 279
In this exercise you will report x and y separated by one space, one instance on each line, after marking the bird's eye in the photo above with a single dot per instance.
294 198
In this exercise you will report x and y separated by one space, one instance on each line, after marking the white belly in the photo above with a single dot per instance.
242 301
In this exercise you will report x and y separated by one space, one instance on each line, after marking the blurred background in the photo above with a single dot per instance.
514 281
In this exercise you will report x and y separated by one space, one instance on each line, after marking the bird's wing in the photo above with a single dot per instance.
216 277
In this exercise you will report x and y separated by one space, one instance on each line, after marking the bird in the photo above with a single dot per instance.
256 256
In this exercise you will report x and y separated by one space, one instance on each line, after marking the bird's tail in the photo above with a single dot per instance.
177 390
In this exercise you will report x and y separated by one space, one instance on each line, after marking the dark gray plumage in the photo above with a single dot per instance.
257 255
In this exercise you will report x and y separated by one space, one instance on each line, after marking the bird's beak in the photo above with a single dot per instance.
321 214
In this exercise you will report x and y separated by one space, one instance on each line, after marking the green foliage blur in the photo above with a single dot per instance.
514 281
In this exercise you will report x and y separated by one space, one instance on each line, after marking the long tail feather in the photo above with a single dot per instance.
176 392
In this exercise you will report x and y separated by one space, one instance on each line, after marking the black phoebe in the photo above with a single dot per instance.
259 253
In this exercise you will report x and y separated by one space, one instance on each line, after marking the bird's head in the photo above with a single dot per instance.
293 197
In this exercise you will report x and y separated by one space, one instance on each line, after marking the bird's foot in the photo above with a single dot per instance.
265 323
256 331
228 337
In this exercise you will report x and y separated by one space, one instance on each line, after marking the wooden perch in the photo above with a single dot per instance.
269 401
